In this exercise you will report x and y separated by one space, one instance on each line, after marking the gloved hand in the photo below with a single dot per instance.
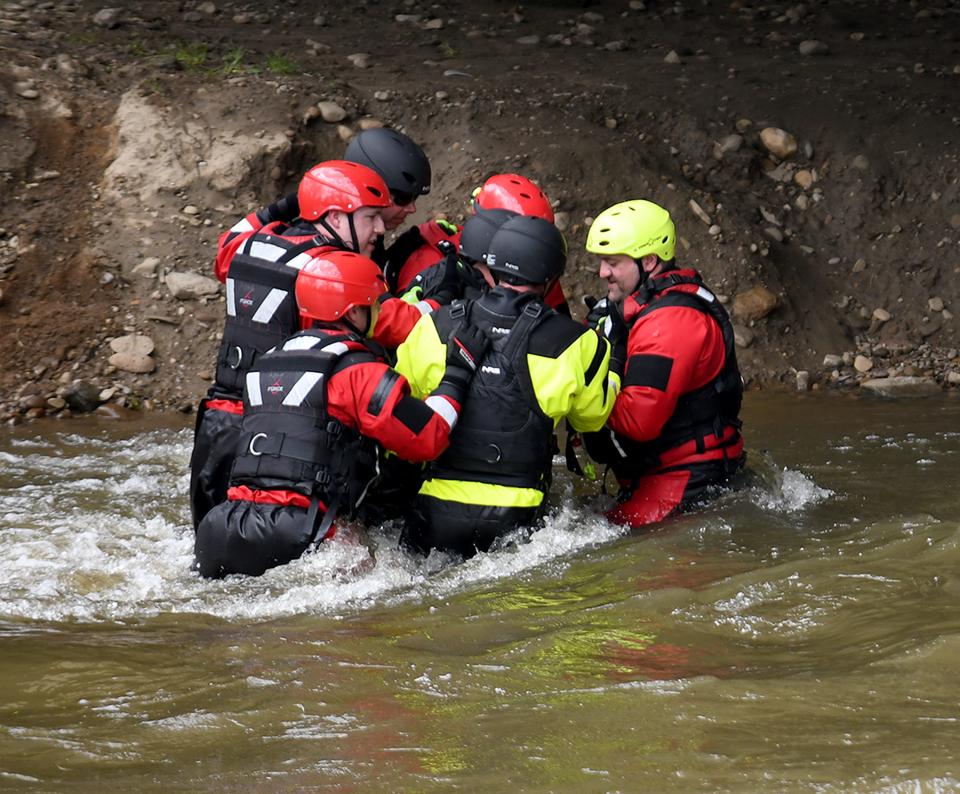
401 248
601 447
449 228
285 209
466 348
446 284
597 311
617 332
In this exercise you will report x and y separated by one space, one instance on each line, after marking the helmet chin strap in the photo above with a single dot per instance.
353 233
336 238
644 288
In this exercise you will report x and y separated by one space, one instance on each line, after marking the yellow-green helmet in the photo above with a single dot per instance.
635 228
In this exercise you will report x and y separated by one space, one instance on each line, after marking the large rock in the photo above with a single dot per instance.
191 286
754 304
331 112
82 397
700 212
108 17
742 336
167 149
901 386
813 47
130 361
832 361
147 268
730 143
780 143
137 344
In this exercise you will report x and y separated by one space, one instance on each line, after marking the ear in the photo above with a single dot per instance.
358 316
649 262
337 220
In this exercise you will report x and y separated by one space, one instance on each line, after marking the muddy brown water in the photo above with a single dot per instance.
802 634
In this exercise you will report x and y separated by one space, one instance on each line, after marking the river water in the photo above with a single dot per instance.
802 634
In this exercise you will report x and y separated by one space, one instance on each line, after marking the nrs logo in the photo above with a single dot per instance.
276 387
496 329
247 300
490 370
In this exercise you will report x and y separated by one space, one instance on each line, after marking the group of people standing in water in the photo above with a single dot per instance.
425 380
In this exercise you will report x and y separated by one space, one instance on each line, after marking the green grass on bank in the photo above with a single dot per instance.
199 58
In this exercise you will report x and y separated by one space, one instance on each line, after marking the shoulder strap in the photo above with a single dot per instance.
533 314
688 299
650 288
294 251
448 319
459 310
291 253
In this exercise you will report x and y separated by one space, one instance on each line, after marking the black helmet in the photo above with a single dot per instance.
400 161
528 249
478 232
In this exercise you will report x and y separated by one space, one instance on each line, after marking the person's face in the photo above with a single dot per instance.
363 318
622 274
395 215
367 224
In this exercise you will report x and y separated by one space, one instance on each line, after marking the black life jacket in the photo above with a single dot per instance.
502 436
261 306
288 440
711 408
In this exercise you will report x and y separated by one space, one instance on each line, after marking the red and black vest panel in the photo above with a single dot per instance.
502 436
289 441
710 409
261 306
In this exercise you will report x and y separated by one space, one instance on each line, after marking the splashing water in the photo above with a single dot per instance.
98 530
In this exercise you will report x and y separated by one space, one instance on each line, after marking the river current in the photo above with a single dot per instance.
799 634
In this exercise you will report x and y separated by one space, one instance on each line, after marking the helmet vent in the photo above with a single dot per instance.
375 192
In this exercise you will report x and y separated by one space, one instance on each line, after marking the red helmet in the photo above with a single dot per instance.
332 283
340 185
515 193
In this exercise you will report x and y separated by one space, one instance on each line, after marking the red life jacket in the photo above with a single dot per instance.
710 410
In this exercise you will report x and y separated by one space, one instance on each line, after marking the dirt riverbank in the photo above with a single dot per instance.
131 137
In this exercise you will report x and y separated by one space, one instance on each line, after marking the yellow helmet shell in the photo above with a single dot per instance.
635 228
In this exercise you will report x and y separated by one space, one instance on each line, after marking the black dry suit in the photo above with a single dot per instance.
289 445
503 437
